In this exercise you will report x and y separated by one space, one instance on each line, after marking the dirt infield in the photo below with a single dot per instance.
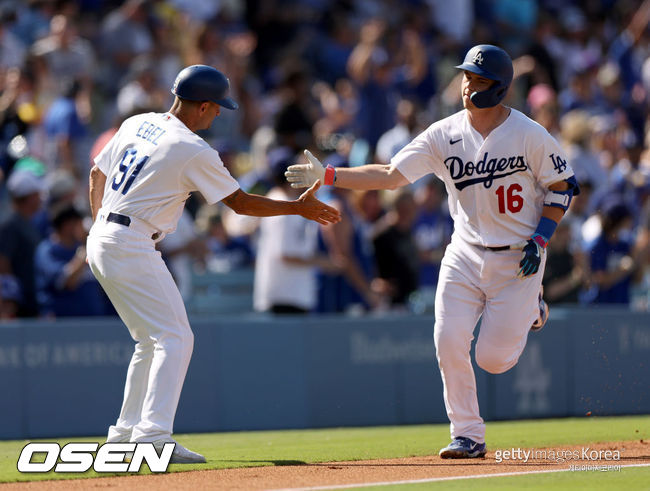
285 475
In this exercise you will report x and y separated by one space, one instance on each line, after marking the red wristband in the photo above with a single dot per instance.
330 175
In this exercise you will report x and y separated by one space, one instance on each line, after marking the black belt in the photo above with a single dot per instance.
126 221
117 218
500 248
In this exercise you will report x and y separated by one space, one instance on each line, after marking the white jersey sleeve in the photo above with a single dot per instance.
207 174
547 159
421 156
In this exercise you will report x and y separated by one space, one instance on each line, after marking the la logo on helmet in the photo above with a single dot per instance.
478 58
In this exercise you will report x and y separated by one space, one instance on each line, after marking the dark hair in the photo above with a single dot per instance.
279 159
63 215
613 214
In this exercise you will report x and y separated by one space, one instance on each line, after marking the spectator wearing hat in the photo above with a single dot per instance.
612 260
61 187
20 237
65 286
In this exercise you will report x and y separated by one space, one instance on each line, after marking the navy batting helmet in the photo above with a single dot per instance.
490 62
203 83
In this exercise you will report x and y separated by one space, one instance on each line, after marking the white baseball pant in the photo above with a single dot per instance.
142 290
475 281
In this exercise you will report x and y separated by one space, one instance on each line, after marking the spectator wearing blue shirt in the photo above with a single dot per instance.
65 285
371 69
225 253
354 288
64 128
432 230
612 261
19 237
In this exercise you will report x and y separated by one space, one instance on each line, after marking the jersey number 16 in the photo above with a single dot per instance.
128 160
514 202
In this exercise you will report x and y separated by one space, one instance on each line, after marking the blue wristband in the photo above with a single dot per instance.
546 228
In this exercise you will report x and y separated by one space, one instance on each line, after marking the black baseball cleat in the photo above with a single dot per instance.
463 448
543 313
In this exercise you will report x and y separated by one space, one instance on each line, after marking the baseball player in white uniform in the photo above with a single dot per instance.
509 186
138 188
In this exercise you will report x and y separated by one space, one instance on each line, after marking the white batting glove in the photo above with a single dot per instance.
304 175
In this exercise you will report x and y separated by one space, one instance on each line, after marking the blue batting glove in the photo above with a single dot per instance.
532 256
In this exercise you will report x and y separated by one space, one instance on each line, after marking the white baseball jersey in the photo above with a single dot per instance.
153 163
496 185
278 282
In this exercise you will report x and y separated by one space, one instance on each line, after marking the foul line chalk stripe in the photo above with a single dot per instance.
436 479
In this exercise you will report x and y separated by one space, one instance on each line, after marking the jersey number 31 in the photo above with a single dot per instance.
128 160
514 202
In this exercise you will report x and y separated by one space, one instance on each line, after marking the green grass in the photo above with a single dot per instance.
260 448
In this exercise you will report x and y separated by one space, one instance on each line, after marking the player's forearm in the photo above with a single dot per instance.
372 176
97 181
553 213
307 206
260 206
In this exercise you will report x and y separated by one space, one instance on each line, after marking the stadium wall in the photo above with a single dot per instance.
65 378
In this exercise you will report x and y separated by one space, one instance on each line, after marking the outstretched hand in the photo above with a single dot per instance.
304 175
313 209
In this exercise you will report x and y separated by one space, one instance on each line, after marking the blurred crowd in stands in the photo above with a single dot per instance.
352 80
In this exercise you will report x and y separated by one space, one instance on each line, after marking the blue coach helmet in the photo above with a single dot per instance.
490 62
203 83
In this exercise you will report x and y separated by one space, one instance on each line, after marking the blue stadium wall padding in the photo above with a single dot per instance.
66 378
